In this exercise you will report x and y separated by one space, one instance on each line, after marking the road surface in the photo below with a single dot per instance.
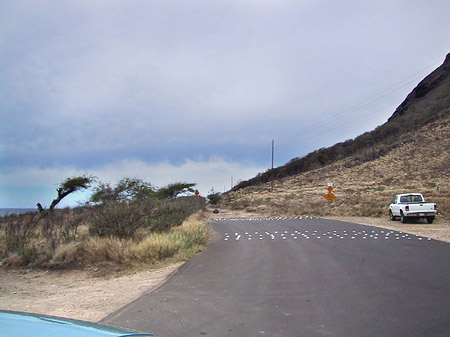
302 277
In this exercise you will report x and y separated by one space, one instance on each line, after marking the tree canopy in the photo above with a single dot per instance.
138 189
171 191
125 189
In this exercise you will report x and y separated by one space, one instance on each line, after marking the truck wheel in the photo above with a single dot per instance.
391 216
430 219
403 218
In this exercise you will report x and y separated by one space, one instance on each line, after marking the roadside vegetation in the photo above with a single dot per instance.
214 198
123 226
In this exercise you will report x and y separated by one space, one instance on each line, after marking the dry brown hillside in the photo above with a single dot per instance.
409 153
362 190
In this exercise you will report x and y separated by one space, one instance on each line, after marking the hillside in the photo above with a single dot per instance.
428 102
410 152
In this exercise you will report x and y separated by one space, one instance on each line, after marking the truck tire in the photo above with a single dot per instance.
430 219
391 216
403 218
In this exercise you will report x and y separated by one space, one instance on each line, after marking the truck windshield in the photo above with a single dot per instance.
411 198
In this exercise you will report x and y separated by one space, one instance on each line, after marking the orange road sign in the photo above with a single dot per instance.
197 193
330 197
330 188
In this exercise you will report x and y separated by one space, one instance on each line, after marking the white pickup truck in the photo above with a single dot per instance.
412 206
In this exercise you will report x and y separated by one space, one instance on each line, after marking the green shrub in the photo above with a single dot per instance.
121 219
172 213
214 198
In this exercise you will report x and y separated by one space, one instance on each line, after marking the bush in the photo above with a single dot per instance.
121 219
214 198
60 226
19 229
172 213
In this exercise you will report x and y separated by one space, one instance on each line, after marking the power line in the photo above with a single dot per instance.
310 131
387 91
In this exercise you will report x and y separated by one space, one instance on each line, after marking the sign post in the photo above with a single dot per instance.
330 196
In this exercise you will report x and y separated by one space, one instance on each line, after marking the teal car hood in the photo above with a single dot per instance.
15 324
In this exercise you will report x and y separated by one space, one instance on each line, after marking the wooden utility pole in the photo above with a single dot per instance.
273 148
273 151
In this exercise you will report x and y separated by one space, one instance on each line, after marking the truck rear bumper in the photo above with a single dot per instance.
420 214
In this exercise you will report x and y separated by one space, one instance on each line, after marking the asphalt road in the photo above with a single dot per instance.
302 277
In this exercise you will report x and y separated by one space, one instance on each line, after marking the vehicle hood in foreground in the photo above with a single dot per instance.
14 324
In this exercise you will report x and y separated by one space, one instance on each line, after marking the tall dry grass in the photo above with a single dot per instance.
178 244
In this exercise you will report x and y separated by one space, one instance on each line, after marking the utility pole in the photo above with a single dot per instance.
231 182
273 151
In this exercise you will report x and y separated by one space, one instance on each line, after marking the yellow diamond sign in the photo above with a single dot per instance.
330 197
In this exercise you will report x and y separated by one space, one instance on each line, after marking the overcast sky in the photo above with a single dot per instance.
195 91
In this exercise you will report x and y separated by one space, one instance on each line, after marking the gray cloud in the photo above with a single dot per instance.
89 83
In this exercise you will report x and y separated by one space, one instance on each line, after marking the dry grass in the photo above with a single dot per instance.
361 190
178 244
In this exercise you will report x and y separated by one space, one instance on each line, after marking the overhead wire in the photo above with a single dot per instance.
308 132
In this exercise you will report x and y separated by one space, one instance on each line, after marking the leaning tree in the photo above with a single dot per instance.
67 187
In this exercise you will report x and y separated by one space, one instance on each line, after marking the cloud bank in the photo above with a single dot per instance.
87 85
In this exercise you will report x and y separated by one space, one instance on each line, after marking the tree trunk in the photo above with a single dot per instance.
61 195
40 208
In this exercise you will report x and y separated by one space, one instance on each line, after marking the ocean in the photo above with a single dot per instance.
6 211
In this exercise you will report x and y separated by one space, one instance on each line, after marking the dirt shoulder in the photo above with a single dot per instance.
75 294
